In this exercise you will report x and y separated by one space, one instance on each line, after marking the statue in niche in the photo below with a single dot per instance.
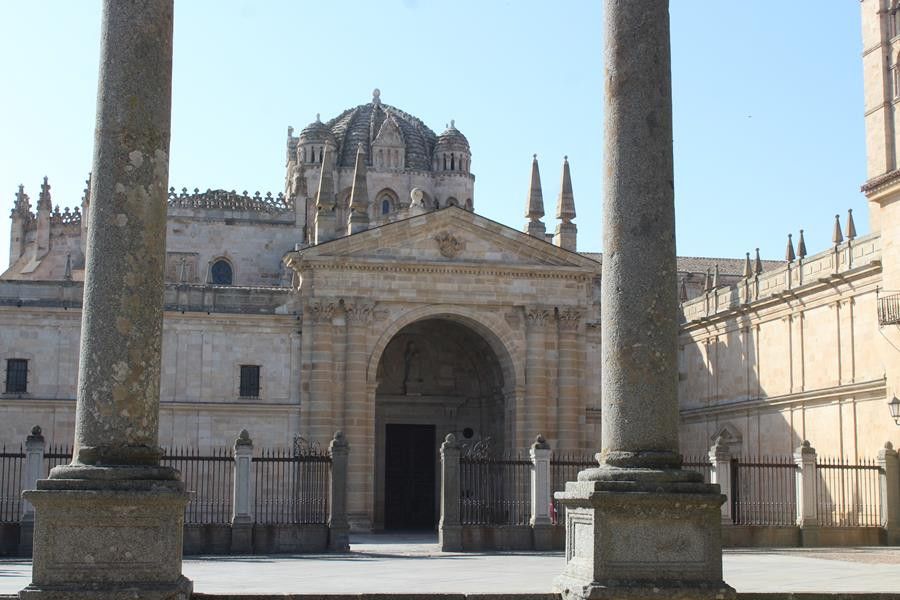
412 370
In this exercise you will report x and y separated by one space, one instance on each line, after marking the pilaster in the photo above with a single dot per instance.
533 417
242 516
569 395
319 419
359 423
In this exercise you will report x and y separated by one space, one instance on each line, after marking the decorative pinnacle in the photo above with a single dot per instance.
376 96
682 294
707 285
318 118
565 204
801 247
789 251
359 195
716 276
851 226
44 202
452 124
757 267
535 207
837 237
748 270
325 195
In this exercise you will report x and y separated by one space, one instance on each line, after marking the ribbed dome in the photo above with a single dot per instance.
317 131
452 140
360 125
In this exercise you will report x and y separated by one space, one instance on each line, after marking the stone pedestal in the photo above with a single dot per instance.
108 540
633 539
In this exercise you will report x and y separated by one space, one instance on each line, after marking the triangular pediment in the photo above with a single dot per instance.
389 135
451 236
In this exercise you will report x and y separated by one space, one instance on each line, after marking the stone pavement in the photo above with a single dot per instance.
413 564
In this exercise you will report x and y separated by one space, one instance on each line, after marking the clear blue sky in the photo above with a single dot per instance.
767 95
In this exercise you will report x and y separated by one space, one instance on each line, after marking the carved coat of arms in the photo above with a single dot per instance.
448 244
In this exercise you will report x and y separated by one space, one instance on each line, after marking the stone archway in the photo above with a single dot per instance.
435 375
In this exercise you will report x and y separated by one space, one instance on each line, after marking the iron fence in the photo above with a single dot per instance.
55 456
495 491
699 464
764 491
889 310
292 487
12 463
209 478
848 495
565 468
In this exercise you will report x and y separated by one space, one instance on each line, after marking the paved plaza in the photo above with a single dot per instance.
382 564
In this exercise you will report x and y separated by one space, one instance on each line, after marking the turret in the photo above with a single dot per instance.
359 196
535 205
325 201
566 231
44 210
21 217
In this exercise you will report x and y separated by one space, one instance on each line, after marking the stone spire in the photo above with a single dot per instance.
748 269
22 206
682 292
44 202
20 217
851 226
708 284
789 252
836 236
325 217
801 247
566 231
359 195
716 276
535 206
757 264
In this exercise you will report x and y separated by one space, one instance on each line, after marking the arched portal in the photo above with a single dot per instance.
435 376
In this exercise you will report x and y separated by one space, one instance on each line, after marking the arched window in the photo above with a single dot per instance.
385 205
221 272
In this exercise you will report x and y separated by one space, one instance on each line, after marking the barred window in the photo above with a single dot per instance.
249 381
221 272
16 376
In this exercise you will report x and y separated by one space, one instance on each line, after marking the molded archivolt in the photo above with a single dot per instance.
503 340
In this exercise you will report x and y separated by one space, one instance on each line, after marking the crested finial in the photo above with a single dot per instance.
452 124
566 157
376 96
534 156
318 118
837 237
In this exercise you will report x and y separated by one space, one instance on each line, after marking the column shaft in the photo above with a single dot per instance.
321 381
358 427
639 288
569 372
117 415
535 374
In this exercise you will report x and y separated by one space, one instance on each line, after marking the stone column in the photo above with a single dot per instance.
541 494
570 407
359 427
321 378
242 502
535 410
450 529
34 470
645 527
111 522
890 492
807 513
720 458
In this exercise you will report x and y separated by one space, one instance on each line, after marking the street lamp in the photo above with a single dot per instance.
894 406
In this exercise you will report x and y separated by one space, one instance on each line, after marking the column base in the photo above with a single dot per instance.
180 590
642 533
108 540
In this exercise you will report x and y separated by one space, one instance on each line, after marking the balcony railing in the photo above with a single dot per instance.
889 310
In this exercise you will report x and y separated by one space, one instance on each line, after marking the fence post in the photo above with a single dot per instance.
242 502
807 513
890 492
338 526
541 525
34 470
450 529
720 459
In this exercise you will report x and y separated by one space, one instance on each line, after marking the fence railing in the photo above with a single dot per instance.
209 477
495 491
564 468
889 310
763 491
291 487
700 464
848 495
12 465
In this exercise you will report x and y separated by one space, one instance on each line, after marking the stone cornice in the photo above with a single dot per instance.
874 389
461 268
256 407
784 298
874 188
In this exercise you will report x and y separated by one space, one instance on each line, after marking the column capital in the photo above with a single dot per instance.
359 312
569 318
320 310
537 316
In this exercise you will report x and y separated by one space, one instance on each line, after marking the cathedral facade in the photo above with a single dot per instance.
370 297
